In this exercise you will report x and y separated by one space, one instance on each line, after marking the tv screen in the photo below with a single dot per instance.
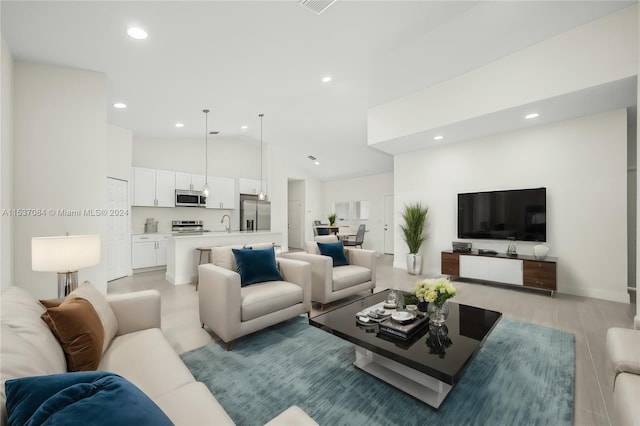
501 215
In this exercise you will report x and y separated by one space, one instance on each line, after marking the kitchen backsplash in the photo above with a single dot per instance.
164 216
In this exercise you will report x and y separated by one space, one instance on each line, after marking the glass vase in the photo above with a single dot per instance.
438 314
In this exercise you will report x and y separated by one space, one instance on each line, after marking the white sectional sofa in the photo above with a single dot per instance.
139 352
623 355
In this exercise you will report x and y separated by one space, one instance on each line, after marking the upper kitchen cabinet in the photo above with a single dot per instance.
190 182
222 193
153 188
251 186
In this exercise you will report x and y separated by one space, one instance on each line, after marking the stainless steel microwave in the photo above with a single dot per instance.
186 198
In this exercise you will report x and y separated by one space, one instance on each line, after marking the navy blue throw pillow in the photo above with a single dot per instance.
256 266
335 251
94 397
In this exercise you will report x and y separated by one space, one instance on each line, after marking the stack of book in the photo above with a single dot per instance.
403 331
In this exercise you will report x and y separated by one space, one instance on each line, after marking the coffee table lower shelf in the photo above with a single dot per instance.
417 384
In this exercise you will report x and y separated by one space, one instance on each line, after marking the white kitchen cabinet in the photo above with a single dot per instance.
183 180
154 188
251 186
198 182
190 182
165 189
222 193
148 250
144 187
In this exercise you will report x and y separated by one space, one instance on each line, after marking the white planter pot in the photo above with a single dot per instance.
414 263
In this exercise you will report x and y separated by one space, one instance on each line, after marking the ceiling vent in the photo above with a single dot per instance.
311 157
317 6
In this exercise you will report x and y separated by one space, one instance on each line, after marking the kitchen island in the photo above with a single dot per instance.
182 261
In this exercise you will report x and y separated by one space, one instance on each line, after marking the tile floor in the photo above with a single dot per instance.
587 318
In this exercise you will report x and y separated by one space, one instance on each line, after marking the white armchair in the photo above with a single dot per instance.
232 311
329 283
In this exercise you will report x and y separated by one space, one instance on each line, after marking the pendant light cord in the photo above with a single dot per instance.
261 116
206 147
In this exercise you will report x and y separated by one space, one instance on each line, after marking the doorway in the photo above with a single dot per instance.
118 239
388 224
295 224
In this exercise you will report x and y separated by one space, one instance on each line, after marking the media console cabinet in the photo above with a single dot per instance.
522 270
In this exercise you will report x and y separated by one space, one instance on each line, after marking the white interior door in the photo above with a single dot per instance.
388 224
118 239
295 224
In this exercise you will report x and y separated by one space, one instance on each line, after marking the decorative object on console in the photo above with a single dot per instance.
65 255
511 249
261 196
414 216
540 251
435 291
332 219
460 247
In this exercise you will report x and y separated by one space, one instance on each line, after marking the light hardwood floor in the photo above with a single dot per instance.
587 318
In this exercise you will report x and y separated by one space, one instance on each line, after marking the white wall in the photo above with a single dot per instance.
599 52
6 161
119 152
636 322
581 162
369 188
60 162
227 157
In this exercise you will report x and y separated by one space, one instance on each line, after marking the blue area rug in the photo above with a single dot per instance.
523 375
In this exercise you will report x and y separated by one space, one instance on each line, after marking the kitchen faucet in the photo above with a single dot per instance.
228 228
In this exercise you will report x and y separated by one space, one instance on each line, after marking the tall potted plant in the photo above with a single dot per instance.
415 217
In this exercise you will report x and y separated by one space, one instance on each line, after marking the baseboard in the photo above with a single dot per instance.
614 296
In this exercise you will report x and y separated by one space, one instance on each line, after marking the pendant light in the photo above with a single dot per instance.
261 196
205 190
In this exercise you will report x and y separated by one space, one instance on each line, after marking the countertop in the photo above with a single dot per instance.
220 233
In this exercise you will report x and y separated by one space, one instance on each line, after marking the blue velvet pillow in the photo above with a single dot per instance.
97 398
256 265
335 251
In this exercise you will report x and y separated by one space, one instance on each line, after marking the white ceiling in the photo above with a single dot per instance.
241 58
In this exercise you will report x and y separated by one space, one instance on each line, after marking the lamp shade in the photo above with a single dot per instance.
64 253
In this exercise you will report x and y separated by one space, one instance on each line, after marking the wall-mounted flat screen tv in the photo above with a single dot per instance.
501 215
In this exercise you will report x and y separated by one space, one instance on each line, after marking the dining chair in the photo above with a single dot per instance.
359 238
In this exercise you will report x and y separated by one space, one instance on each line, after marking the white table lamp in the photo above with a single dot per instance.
65 255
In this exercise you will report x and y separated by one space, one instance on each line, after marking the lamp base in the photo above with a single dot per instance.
67 282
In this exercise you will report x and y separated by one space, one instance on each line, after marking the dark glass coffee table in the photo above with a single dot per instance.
426 366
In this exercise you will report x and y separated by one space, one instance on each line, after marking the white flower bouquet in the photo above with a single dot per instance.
435 291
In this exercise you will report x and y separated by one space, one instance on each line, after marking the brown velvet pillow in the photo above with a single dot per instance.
76 325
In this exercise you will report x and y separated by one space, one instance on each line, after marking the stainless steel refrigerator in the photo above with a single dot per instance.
255 215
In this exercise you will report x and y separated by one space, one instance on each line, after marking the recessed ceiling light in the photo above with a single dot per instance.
244 127
530 116
179 124
317 163
137 33
326 79
119 105
438 138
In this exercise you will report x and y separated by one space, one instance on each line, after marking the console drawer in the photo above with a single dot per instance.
450 264
540 274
